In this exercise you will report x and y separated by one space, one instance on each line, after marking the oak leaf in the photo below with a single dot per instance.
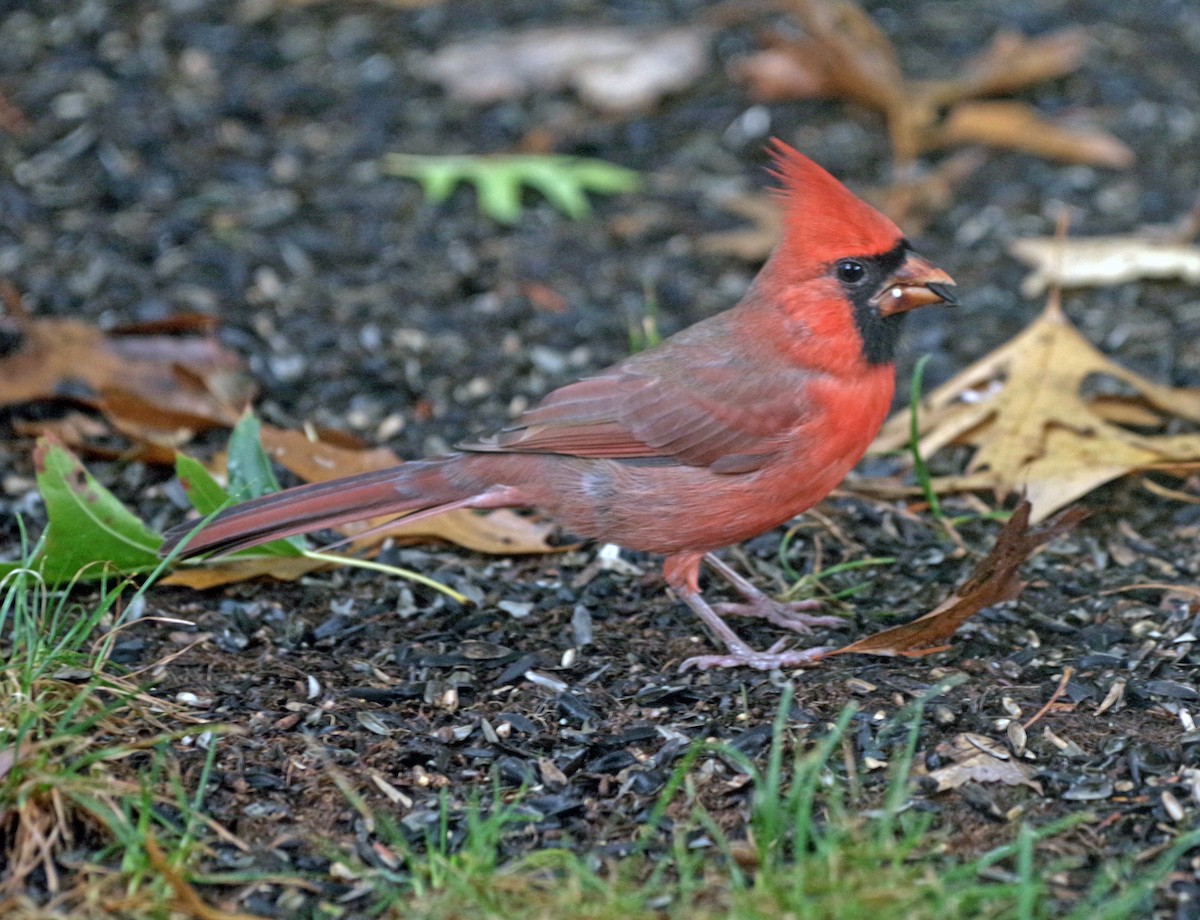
845 55
564 181
978 759
1028 411
1100 261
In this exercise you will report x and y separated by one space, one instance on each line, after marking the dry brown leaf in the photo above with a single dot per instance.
1017 126
501 532
978 759
232 571
98 437
613 69
844 55
993 581
1100 261
1014 62
163 386
316 458
187 323
97 441
1025 410
1129 411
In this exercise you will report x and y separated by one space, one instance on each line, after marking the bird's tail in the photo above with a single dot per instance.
421 486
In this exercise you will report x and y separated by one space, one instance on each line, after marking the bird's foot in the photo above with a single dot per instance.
784 614
790 616
770 660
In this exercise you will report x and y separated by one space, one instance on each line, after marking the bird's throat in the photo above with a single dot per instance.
879 334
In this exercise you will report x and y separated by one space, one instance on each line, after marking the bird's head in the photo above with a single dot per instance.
834 238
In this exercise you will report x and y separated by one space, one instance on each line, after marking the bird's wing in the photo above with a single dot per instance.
716 414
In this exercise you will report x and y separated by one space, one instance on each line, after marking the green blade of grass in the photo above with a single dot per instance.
920 467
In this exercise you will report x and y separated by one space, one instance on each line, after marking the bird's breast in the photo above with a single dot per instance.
845 415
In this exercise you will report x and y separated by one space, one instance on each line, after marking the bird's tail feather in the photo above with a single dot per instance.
417 486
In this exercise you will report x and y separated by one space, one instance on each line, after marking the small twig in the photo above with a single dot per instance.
1174 495
1067 674
186 897
848 760
960 546
849 544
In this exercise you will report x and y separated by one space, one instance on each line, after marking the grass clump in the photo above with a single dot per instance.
807 849
88 782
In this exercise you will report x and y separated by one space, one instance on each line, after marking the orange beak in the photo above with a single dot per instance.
916 283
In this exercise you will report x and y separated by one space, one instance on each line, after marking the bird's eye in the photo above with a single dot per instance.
850 271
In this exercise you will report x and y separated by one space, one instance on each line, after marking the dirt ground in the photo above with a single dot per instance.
221 157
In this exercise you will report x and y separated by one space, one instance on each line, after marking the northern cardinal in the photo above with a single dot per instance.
723 431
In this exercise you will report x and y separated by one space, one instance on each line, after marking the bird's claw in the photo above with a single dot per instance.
784 614
771 660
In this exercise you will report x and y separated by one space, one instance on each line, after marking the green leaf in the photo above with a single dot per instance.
564 191
90 533
207 496
205 493
439 182
499 180
250 473
86 523
499 196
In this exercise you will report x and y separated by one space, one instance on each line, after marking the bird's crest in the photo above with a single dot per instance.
823 219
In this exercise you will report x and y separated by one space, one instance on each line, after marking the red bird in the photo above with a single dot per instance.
725 430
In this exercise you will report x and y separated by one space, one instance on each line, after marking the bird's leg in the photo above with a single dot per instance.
683 573
785 614
740 654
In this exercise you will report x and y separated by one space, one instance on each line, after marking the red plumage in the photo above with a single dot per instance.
725 430
823 219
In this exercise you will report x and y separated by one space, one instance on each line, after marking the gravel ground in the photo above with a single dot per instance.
223 157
